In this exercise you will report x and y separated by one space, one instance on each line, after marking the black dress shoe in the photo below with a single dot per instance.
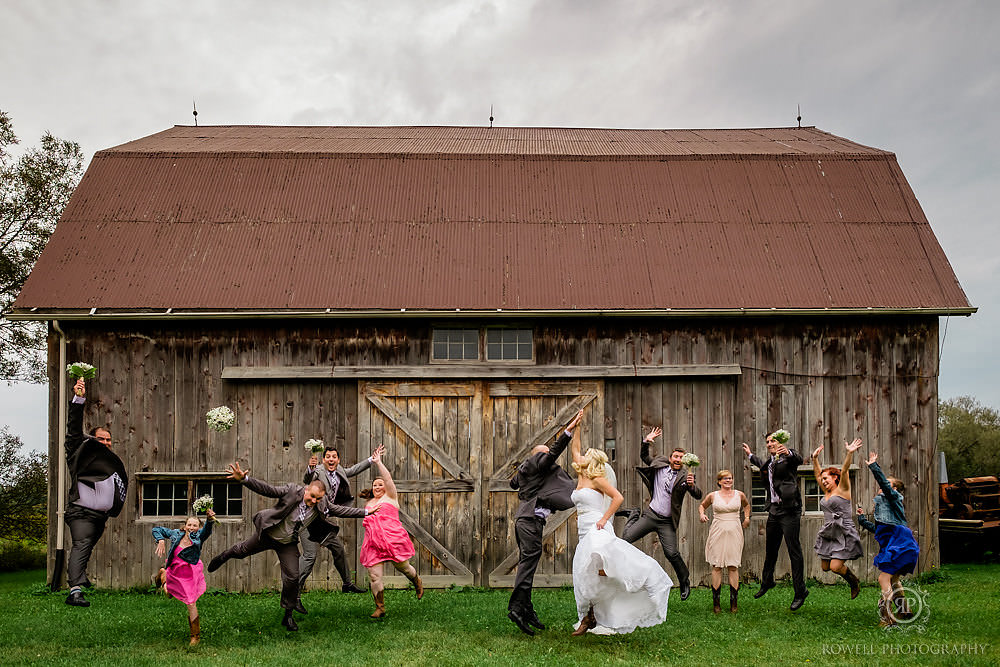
521 622
289 622
533 619
763 589
299 608
798 600
216 563
685 589
76 599
349 587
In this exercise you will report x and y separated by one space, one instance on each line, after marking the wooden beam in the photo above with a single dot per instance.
435 485
418 435
473 371
432 545
551 524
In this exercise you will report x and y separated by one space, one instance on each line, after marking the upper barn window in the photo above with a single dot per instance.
500 344
509 345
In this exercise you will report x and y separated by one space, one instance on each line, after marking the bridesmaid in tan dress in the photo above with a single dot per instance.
724 548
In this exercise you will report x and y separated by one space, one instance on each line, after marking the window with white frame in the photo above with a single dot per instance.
809 488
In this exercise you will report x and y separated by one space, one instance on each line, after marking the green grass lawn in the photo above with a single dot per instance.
469 627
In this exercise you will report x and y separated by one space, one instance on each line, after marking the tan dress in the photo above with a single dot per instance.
724 547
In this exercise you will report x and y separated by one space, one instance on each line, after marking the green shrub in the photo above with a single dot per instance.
18 555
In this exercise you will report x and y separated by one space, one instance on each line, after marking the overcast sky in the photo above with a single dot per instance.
919 78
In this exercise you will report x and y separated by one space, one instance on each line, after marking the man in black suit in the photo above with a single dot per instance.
333 477
277 528
667 486
97 490
542 487
779 474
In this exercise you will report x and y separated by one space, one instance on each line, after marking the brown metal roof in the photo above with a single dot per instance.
439 218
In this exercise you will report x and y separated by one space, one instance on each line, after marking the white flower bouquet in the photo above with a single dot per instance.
782 436
203 504
690 460
81 370
220 418
314 446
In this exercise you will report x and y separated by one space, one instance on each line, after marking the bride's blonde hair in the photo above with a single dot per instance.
593 464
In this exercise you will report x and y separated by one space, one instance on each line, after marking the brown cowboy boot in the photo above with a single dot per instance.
586 623
195 630
379 604
418 585
158 578
887 621
900 605
716 605
733 595
852 579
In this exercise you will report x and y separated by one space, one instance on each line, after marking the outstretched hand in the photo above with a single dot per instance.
817 451
576 421
654 433
236 472
378 453
854 446
746 449
872 457
161 548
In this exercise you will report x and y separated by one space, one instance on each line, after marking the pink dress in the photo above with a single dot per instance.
182 580
385 537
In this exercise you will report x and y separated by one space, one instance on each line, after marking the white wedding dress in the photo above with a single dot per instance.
634 593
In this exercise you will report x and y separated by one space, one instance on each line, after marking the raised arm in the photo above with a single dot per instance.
574 448
383 472
644 454
815 462
845 470
74 421
364 464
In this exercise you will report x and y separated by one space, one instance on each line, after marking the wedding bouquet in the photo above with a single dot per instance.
690 460
220 418
314 446
81 370
781 435
203 504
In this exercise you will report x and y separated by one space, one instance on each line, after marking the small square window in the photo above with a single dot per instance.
165 499
509 345
227 497
455 345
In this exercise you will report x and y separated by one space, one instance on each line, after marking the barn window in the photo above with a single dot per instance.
808 487
455 345
509 345
170 495
164 498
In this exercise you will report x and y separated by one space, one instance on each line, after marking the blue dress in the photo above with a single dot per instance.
899 550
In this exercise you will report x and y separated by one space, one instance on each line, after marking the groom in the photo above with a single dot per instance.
667 486
542 487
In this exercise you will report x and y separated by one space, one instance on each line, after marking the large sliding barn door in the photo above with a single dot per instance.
451 448
432 432
516 417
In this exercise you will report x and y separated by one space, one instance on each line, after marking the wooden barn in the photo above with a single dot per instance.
457 293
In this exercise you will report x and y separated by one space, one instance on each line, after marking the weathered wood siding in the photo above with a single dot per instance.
825 381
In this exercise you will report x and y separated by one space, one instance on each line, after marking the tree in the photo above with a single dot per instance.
969 436
23 490
34 190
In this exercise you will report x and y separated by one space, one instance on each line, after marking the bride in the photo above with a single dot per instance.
617 587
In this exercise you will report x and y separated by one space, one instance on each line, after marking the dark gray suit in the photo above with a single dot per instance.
541 483
289 498
333 541
665 526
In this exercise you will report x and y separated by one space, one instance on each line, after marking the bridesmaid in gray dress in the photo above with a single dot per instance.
838 540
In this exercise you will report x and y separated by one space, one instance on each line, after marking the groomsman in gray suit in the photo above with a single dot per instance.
333 477
277 529
542 487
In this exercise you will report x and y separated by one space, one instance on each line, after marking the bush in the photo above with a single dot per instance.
21 555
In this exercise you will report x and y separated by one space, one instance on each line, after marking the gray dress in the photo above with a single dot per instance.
838 538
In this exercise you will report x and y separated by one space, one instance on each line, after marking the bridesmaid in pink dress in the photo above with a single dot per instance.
386 540
183 576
